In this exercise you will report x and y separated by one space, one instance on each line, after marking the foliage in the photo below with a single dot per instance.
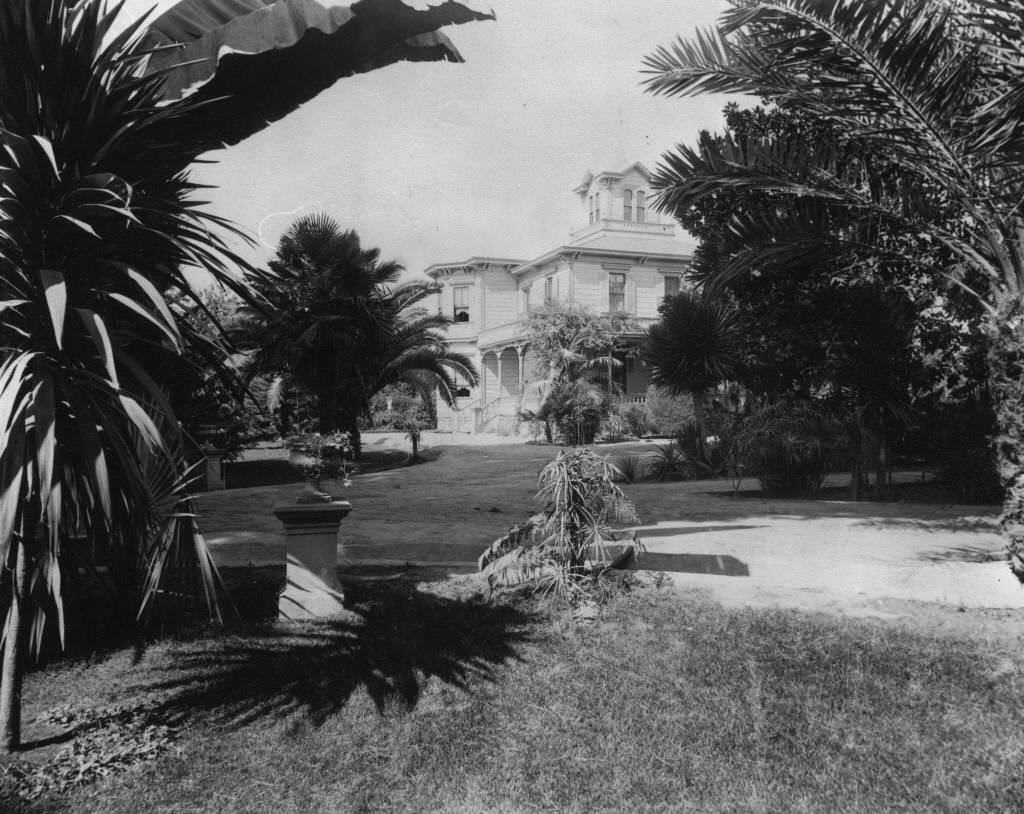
634 418
395 407
709 456
98 220
790 445
559 548
329 456
923 97
692 347
107 741
344 327
960 437
575 409
632 467
575 351
666 414
668 463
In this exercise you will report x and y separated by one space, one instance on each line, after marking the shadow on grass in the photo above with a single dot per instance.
396 638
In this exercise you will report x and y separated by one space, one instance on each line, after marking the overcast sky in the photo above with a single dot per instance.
438 162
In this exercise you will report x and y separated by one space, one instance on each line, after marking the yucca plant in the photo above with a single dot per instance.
929 93
97 220
567 542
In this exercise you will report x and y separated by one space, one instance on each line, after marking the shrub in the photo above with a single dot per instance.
709 456
669 464
790 445
632 467
567 543
665 414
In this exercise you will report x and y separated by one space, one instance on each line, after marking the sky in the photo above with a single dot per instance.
438 162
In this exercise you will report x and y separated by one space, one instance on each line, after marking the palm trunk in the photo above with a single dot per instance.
1006 382
698 412
12 672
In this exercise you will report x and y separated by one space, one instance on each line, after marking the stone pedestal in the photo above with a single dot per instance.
214 468
311 538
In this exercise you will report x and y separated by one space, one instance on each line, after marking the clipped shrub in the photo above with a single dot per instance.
790 445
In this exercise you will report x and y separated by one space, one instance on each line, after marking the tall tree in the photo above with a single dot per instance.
933 91
97 217
343 326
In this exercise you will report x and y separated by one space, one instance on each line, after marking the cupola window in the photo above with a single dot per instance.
627 205
640 201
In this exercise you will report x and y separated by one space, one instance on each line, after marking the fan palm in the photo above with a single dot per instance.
932 92
694 346
96 221
344 327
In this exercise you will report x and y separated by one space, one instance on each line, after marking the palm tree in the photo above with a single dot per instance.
694 346
343 326
932 93
96 221
575 349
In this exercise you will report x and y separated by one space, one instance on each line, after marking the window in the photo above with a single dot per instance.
549 289
640 206
460 301
627 205
524 303
617 291
591 206
462 390
671 285
597 207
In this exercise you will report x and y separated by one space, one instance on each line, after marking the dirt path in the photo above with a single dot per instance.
897 560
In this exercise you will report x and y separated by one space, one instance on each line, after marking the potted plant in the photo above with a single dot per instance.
317 457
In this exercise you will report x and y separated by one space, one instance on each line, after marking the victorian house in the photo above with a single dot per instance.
623 259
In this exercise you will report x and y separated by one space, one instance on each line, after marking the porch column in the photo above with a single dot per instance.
521 384
500 354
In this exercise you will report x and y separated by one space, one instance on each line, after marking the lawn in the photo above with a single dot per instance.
429 697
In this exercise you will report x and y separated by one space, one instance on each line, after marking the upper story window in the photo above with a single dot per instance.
590 204
627 205
616 291
549 289
460 303
671 285
597 207
524 298
640 206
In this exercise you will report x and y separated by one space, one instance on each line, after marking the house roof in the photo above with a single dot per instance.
472 262
589 176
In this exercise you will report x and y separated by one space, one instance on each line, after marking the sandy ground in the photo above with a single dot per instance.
893 560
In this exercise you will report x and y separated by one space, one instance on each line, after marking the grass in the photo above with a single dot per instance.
431 699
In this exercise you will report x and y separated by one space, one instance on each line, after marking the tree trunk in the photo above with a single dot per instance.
698 412
12 672
1006 382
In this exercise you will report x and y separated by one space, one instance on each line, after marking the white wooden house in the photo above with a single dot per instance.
624 258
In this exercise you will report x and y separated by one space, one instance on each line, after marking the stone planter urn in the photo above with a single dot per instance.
311 526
